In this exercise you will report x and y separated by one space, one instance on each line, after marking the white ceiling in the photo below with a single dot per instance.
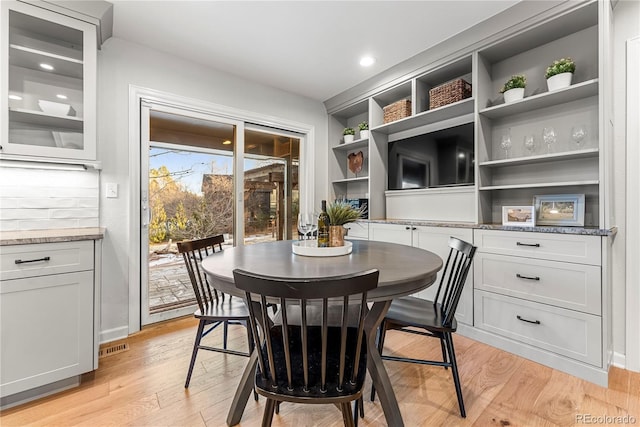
311 48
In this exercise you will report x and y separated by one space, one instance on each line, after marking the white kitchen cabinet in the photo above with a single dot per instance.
357 230
544 296
48 315
48 88
436 240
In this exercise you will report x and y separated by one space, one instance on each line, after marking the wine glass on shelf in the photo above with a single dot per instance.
530 143
505 143
578 133
549 137
303 225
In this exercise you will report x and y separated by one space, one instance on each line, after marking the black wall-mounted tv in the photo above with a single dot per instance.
438 159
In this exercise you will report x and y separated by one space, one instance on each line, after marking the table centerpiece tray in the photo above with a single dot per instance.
310 248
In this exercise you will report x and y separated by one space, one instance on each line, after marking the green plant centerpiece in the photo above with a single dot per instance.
517 81
340 213
363 126
562 65
349 131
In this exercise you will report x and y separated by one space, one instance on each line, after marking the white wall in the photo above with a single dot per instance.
120 64
626 25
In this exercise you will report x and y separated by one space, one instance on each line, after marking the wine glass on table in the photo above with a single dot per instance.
312 224
303 225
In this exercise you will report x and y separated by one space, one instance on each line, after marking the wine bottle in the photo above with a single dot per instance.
323 227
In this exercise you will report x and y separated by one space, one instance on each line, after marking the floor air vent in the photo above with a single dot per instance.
113 349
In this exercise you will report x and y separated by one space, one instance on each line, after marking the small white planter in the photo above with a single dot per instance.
364 134
513 95
559 81
348 139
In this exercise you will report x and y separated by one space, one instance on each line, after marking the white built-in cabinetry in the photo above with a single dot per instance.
48 88
49 301
436 240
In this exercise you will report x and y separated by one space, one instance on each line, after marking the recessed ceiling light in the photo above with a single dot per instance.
61 96
367 61
15 97
46 66
227 142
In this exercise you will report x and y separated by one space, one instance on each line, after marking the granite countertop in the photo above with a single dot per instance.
586 231
50 236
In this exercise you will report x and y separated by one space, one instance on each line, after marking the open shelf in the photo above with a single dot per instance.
350 180
542 158
43 119
542 100
458 110
539 185
358 143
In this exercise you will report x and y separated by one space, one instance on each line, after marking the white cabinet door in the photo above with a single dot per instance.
48 97
46 330
392 233
436 240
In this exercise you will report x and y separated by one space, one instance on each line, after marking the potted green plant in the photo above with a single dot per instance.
513 89
363 127
340 213
560 73
348 134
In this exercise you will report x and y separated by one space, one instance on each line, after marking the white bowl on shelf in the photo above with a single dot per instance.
56 108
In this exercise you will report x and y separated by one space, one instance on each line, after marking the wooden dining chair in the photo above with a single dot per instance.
214 307
309 354
434 318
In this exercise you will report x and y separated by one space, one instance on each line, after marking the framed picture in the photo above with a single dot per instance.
521 216
560 209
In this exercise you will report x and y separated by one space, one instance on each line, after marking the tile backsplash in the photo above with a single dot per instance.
36 199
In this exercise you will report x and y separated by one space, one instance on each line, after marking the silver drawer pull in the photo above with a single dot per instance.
520 276
532 245
19 261
535 322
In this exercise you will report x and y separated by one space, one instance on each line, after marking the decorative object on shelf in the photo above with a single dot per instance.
356 164
56 108
396 111
363 127
520 216
513 89
505 143
348 134
340 213
530 143
549 137
449 92
560 73
560 209
578 133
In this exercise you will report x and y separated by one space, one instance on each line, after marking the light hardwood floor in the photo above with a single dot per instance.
144 386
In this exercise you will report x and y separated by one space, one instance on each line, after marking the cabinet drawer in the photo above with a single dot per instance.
357 230
567 285
18 261
565 332
554 247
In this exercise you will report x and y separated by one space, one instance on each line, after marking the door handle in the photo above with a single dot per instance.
535 322
520 276
532 245
20 261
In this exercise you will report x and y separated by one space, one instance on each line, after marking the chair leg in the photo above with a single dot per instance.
358 409
454 371
267 417
226 334
194 353
444 353
347 417
382 332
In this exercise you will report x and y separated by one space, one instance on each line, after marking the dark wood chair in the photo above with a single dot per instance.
434 318
309 354
214 307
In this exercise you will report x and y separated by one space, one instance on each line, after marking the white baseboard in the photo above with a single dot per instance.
619 360
114 334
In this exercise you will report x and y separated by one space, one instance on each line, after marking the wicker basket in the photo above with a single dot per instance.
450 92
396 111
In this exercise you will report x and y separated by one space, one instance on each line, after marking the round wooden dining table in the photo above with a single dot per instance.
403 270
